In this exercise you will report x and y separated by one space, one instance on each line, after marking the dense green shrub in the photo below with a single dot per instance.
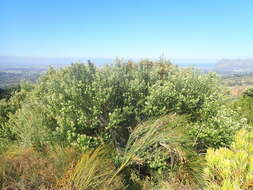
86 106
31 127
7 92
201 98
185 92
231 168
218 130
8 107
244 105
248 92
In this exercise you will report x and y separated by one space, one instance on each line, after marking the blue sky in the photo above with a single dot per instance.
187 29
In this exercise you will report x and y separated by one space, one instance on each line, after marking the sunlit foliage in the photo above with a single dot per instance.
231 168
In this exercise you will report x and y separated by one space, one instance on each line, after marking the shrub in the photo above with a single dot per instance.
184 92
218 130
231 168
86 106
30 125
244 106
199 97
8 107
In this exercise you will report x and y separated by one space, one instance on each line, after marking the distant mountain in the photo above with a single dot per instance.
234 66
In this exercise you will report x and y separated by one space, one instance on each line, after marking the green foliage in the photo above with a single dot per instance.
29 124
201 98
8 107
218 130
7 92
244 106
85 106
5 109
231 168
248 92
184 92
147 184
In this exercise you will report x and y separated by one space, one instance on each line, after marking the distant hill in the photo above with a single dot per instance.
234 66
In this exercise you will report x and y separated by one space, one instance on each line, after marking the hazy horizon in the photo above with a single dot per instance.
98 60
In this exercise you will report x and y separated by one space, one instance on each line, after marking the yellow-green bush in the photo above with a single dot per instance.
231 169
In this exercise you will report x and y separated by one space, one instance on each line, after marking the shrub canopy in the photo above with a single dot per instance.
85 106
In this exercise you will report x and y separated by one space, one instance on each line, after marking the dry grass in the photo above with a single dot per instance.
94 170
25 169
